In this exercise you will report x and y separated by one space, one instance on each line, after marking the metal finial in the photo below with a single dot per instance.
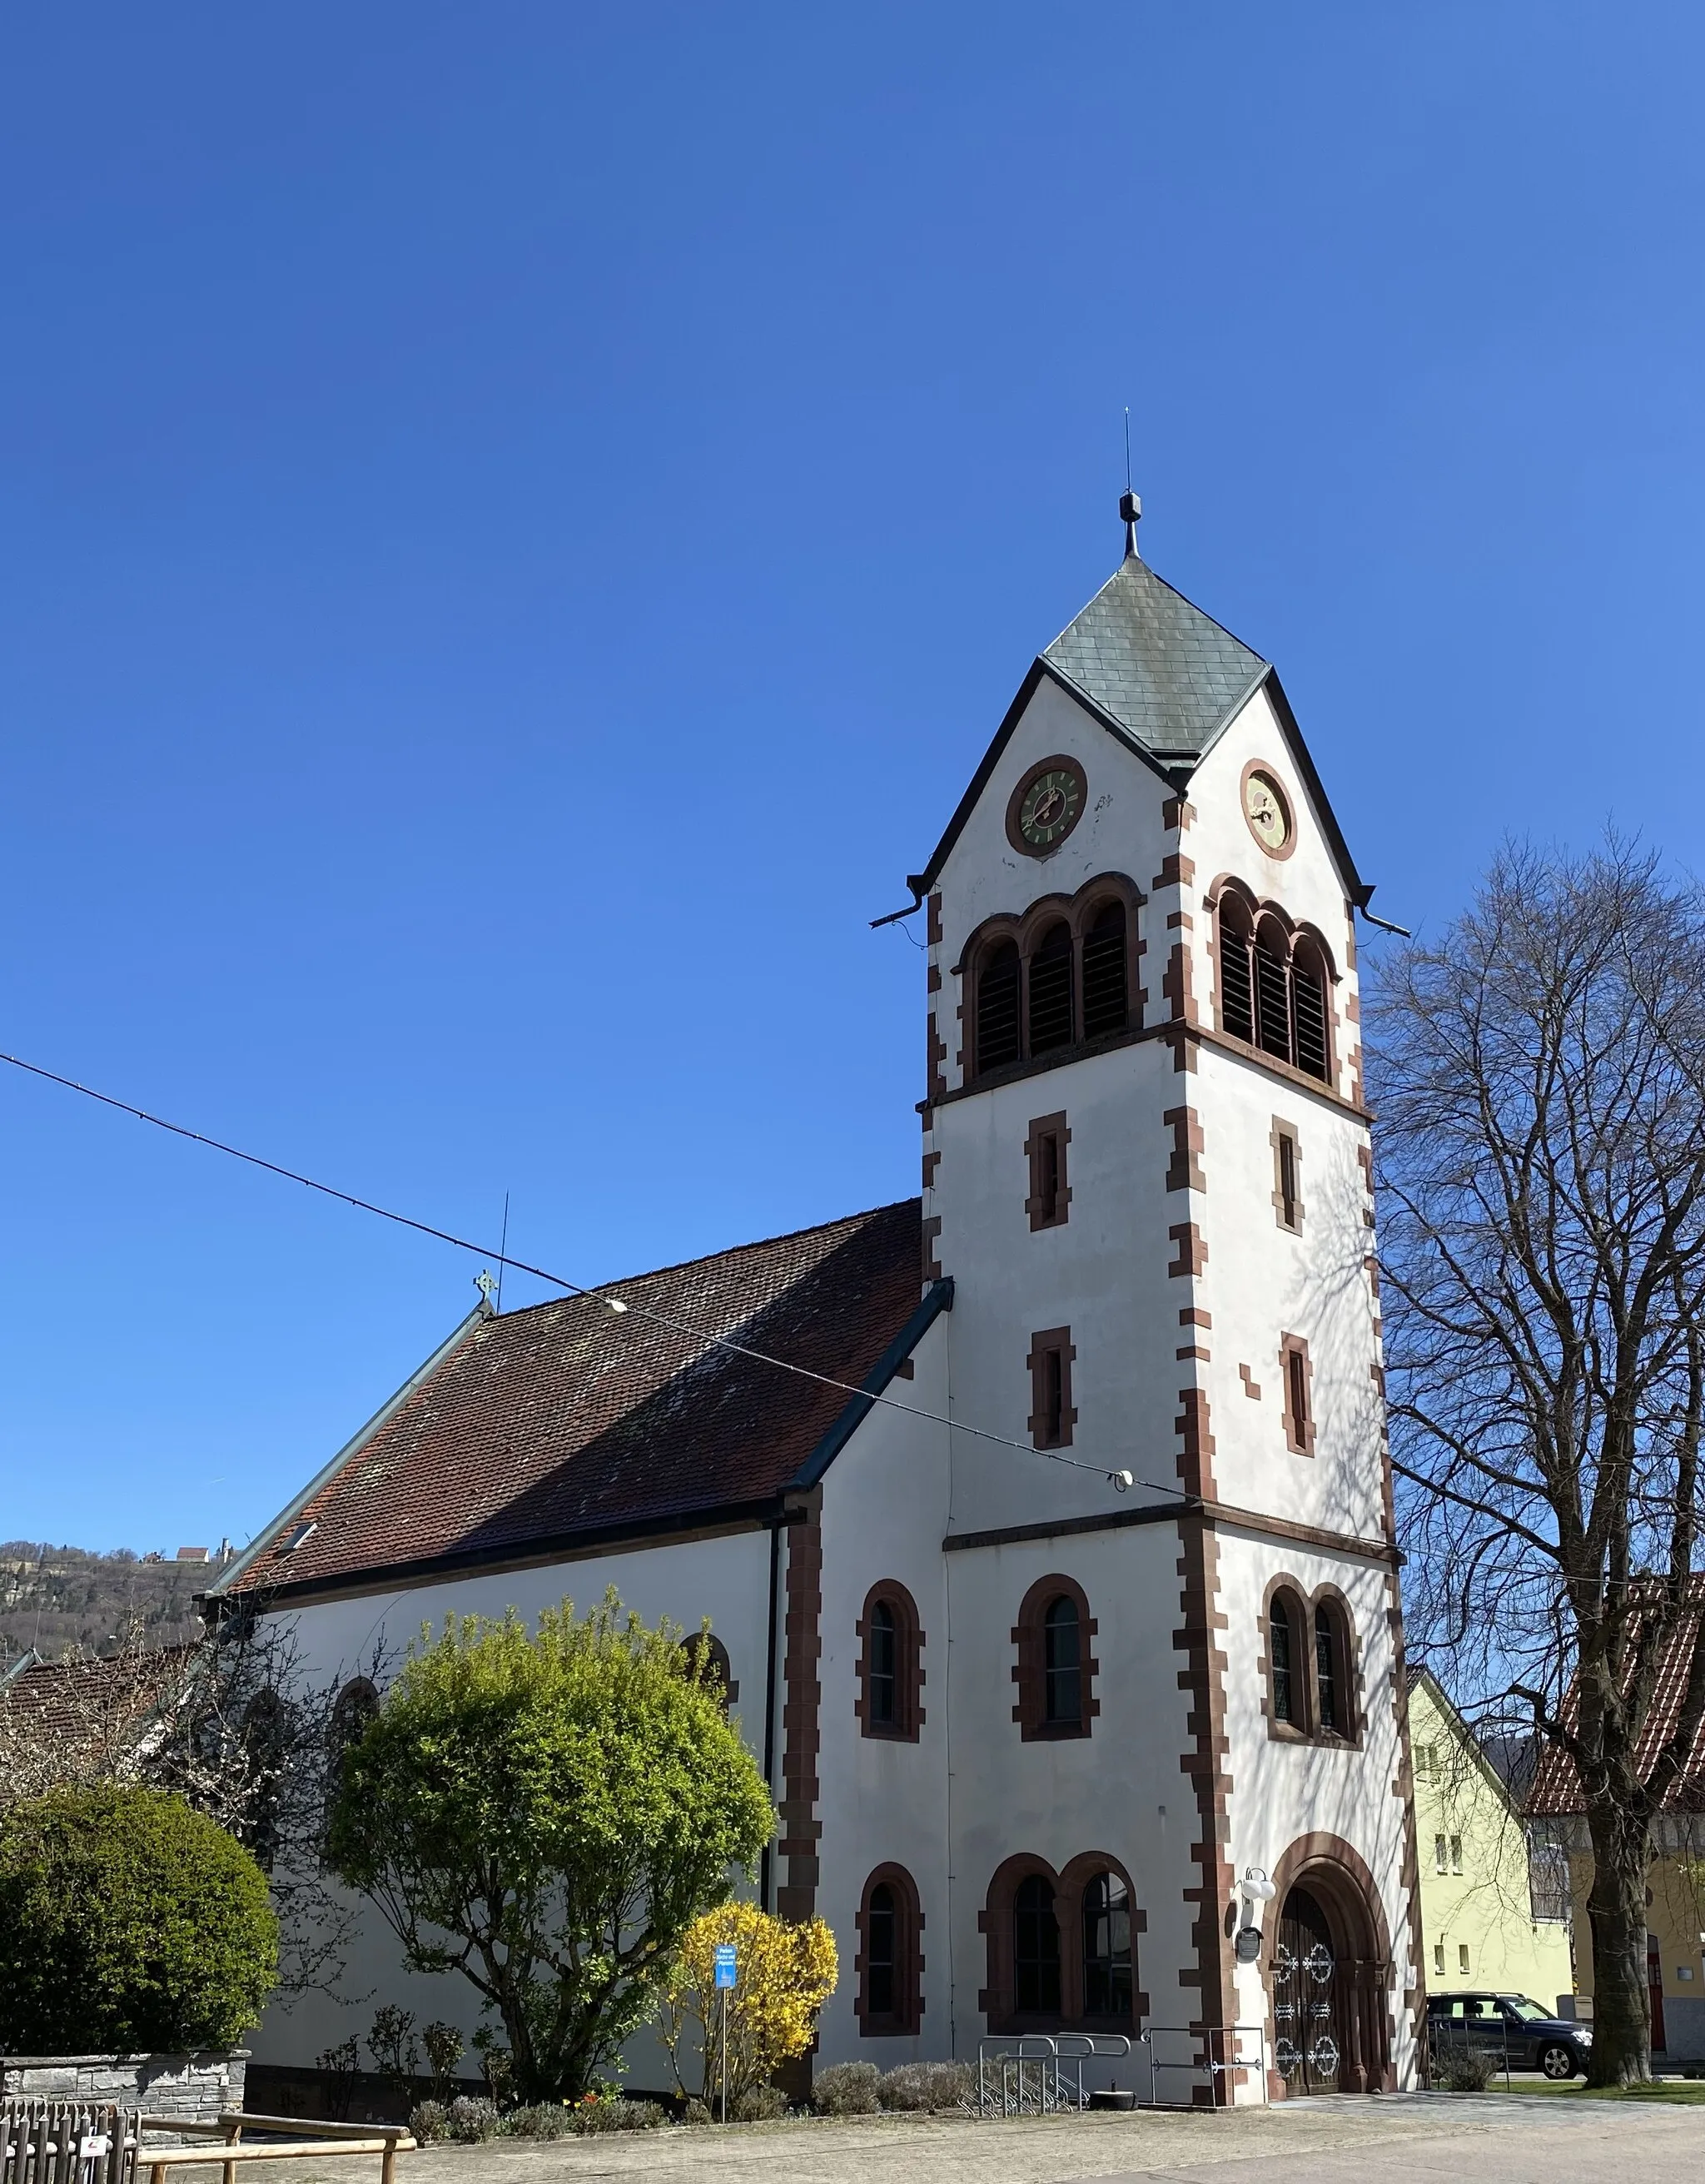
1131 514
484 1282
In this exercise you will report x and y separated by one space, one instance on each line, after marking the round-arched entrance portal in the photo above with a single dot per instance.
1328 1975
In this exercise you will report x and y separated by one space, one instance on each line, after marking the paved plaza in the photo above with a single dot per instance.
1414 2139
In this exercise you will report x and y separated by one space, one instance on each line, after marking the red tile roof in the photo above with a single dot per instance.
545 1425
1556 1788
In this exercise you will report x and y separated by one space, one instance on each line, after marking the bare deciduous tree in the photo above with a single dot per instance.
230 1722
1539 1076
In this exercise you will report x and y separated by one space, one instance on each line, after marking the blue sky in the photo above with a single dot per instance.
516 523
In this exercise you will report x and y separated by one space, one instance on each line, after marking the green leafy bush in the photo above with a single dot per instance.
128 1923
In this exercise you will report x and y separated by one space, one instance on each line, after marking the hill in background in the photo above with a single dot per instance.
56 1598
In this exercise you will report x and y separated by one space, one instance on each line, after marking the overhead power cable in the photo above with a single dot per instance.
1119 1479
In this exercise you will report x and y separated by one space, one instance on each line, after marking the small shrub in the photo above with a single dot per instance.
1461 2070
697 2111
543 2120
495 2065
847 2089
429 2122
913 2086
759 2104
591 2117
128 1922
471 2120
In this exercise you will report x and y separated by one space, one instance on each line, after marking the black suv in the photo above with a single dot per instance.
1508 2027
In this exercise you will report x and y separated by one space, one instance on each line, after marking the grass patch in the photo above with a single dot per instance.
1686 2093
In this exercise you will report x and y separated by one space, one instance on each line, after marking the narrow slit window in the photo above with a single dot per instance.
1105 1006
1441 1855
1050 991
997 1007
1290 1207
1456 1853
1049 1196
1048 1177
1052 1414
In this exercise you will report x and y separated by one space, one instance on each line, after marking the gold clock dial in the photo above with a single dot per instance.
1049 808
1268 815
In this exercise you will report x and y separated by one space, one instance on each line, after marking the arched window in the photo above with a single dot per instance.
265 1751
1332 1709
1308 1004
1236 995
1050 991
890 1671
1273 990
357 1705
1063 1670
1284 1660
1107 1918
1106 1007
997 1006
1056 1669
708 1663
1035 1949
890 1964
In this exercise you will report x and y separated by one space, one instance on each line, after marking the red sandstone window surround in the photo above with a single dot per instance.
1055 1668
888 1967
1050 1362
890 1669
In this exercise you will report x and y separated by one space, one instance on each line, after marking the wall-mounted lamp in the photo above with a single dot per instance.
1255 1889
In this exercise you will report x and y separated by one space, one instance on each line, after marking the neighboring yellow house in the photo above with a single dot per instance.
1478 1900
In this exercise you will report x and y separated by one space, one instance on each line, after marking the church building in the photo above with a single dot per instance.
1056 1593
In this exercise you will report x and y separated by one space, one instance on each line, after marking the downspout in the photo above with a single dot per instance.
767 1867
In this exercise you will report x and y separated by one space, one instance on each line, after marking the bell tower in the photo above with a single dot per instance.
1146 1168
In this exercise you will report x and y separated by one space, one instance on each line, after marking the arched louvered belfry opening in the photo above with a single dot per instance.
1271 966
1309 980
997 1006
1051 1011
1236 990
1105 990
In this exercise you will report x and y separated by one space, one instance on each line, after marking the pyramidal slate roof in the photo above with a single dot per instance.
1167 672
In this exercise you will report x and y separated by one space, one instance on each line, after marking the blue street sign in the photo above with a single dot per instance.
725 1965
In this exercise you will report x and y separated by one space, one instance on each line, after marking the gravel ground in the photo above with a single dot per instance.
1398 2140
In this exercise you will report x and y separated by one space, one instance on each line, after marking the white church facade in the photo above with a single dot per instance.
1094 1616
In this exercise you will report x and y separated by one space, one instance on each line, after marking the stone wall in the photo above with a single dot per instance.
195 2087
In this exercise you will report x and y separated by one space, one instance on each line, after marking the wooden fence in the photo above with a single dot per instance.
44 2141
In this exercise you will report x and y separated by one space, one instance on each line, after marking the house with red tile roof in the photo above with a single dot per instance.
1044 1519
1675 1878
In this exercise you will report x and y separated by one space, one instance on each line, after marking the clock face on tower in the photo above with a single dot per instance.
1268 811
1045 807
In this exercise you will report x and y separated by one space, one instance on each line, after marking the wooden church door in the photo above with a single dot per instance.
1307 1999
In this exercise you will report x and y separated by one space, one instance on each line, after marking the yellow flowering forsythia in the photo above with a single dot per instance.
787 1973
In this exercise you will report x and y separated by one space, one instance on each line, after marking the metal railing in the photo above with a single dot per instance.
1042 2073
